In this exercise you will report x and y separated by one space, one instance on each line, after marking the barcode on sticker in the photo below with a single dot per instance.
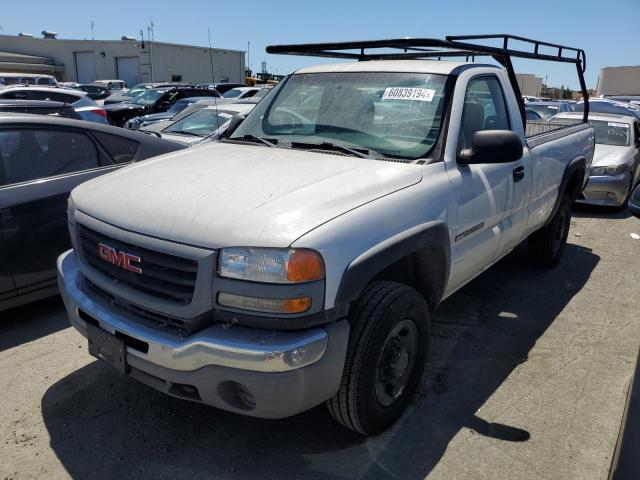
409 93
616 124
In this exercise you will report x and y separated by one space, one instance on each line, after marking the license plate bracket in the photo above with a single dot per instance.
108 348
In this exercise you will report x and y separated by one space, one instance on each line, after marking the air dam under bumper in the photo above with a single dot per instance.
267 374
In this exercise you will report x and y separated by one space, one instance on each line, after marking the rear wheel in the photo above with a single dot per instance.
547 244
387 351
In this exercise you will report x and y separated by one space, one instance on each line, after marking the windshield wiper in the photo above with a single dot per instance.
183 132
252 138
335 147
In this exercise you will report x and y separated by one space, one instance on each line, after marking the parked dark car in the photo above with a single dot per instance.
96 92
222 87
39 107
153 100
42 159
125 96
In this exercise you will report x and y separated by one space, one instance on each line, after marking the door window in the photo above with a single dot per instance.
484 108
28 154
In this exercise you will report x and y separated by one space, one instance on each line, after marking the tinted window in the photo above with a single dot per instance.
29 154
14 95
121 149
484 108
51 95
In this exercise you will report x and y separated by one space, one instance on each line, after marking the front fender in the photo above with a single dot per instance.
422 253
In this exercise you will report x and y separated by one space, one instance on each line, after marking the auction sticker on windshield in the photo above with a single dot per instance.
408 93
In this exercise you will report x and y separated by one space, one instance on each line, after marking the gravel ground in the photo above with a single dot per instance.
528 375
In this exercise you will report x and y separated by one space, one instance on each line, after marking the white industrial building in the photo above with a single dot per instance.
128 59
619 81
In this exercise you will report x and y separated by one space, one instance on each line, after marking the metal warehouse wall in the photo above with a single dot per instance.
619 81
192 63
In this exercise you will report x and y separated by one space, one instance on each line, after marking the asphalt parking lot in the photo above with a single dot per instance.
528 376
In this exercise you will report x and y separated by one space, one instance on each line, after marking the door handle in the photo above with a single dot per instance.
518 173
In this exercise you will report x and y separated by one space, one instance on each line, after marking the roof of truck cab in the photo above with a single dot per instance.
442 67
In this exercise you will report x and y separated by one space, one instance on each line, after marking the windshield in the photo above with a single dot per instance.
233 93
201 123
179 106
392 114
134 91
148 98
545 111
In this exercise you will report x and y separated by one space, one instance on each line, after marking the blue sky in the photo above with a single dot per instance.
609 31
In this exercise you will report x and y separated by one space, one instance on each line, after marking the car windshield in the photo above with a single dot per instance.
135 91
148 97
201 123
545 111
383 113
233 93
179 106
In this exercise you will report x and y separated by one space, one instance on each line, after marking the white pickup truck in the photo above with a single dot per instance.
297 261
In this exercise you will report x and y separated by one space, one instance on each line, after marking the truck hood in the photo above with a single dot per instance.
605 155
239 195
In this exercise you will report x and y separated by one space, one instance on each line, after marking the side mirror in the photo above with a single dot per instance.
634 202
234 123
165 104
492 146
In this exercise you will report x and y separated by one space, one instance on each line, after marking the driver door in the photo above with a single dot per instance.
490 197
42 165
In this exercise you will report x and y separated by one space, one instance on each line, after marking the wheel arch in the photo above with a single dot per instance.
419 257
573 181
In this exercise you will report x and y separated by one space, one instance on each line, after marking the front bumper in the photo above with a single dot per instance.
269 374
604 190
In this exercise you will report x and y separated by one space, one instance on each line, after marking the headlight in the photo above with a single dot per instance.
271 265
610 170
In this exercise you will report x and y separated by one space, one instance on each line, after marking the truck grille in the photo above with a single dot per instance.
164 276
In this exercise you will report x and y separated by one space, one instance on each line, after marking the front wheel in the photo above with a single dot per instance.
387 351
547 244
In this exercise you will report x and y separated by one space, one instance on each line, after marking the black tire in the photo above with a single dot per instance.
376 355
547 244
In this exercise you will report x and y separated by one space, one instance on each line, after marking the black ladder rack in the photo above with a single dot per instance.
451 46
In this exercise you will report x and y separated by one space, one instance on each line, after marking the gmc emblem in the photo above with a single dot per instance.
119 258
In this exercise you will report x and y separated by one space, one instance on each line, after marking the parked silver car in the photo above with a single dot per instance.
81 103
615 170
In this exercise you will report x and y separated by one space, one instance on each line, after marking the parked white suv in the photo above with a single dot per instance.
297 261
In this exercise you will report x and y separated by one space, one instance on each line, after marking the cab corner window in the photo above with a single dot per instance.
484 108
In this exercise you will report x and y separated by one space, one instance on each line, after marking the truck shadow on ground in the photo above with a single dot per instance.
102 425
30 322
